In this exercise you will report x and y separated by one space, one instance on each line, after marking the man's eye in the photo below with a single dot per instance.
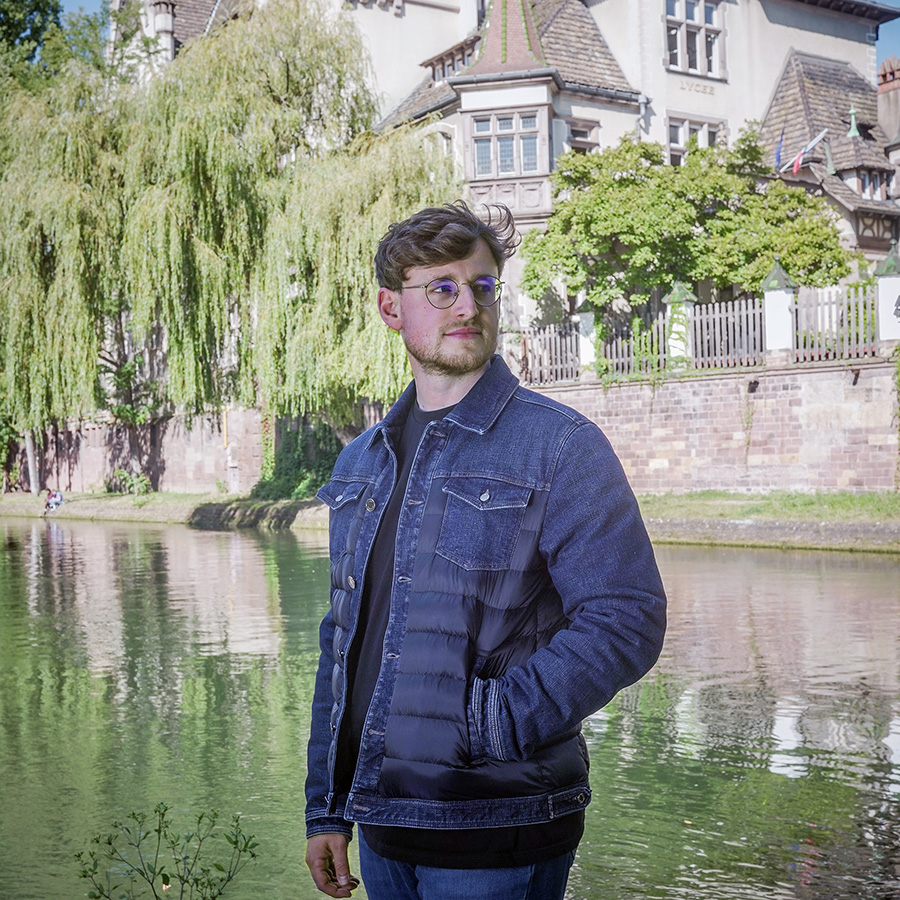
443 287
484 287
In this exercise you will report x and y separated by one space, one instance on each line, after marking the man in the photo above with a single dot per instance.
492 585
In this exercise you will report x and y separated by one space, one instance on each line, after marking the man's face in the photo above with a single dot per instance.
456 341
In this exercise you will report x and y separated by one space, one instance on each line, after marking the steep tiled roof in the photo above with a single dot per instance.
191 18
865 9
814 94
426 98
573 43
558 34
509 41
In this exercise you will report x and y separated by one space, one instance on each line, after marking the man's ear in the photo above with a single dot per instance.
389 308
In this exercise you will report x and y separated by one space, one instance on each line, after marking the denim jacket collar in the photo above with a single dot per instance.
477 411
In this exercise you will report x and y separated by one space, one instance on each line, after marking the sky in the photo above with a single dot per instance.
888 35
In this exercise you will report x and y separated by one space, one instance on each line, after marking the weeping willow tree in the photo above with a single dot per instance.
61 218
204 235
322 347
211 142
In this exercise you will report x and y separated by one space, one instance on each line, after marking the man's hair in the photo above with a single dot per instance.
442 234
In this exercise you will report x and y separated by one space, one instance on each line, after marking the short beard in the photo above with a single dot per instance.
434 362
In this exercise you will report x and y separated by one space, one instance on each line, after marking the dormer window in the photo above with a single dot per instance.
871 185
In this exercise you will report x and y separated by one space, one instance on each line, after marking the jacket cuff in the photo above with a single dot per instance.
329 825
484 719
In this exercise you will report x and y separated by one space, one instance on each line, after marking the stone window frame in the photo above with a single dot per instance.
708 131
694 39
499 141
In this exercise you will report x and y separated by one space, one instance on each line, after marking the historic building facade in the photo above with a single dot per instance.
512 84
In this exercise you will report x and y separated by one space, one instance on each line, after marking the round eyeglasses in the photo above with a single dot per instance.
441 293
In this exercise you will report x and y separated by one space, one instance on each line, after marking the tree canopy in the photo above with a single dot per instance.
204 236
626 222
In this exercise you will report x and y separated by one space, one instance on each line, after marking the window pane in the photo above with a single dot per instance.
482 157
672 8
674 132
529 121
505 124
690 10
712 135
675 159
712 65
709 12
694 131
691 39
672 37
528 148
506 158
482 126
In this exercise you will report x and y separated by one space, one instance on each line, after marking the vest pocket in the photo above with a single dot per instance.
481 522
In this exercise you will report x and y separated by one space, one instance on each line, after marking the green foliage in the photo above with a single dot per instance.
302 463
204 236
321 345
143 856
23 23
626 223
124 482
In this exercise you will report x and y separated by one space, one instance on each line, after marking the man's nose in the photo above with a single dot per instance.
465 306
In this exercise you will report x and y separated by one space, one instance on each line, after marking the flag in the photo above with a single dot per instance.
797 161
778 151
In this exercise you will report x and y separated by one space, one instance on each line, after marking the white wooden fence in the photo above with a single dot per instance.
543 354
728 334
637 354
835 323
829 323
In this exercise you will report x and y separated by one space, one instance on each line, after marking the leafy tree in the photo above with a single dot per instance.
625 223
204 236
24 22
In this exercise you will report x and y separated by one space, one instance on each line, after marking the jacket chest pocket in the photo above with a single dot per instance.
481 522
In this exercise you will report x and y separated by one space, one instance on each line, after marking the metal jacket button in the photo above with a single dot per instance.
370 504
351 581
485 497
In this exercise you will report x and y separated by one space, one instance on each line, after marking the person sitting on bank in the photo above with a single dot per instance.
54 500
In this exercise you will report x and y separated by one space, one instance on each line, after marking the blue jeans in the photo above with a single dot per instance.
386 879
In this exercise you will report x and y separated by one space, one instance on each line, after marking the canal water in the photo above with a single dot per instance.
139 664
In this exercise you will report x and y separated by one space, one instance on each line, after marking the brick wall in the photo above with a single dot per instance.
817 428
211 454
822 427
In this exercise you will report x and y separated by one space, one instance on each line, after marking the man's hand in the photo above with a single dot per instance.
326 856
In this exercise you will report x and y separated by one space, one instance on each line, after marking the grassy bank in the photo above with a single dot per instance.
869 522
841 507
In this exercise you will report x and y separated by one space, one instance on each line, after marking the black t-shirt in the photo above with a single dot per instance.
464 848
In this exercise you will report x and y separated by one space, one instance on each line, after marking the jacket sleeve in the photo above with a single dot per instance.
318 819
600 560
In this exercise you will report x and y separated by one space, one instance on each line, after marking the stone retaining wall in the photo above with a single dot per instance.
822 427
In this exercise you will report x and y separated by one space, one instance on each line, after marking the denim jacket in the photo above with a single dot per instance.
525 596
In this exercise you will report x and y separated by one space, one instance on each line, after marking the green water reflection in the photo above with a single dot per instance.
760 759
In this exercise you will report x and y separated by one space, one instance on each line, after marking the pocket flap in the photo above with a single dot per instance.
336 494
488 493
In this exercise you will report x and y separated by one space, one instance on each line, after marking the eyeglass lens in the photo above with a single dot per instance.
442 292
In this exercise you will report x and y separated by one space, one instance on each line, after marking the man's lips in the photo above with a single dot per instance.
464 331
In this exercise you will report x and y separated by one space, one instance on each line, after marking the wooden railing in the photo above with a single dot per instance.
728 334
637 354
835 323
830 323
543 354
